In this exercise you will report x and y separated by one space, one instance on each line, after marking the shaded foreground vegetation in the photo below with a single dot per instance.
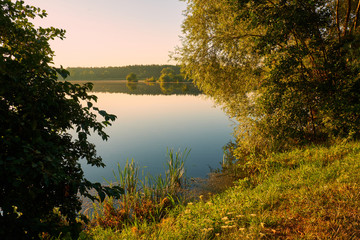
41 176
308 193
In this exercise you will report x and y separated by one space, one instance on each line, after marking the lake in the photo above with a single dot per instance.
152 118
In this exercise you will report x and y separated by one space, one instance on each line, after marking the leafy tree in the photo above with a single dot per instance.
39 160
287 70
167 71
167 75
131 77
165 78
179 78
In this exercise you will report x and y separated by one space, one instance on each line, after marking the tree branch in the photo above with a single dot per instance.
356 17
245 36
337 18
347 17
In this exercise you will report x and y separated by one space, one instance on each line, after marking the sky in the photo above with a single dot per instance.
113 32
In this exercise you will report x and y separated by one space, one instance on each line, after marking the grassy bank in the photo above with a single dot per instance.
311 193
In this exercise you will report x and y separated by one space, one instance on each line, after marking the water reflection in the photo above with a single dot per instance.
142 88
152 117
132 86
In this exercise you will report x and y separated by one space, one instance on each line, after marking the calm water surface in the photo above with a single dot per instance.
151 119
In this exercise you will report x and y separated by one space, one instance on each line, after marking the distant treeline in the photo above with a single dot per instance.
119 73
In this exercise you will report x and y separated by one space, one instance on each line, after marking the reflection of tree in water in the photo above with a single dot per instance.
141 88
184 87
170 88
131 85
166 88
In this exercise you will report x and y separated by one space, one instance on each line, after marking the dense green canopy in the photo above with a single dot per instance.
287 70
39 160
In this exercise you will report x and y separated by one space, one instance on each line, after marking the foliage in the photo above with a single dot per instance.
168 75
131 77
164 78
39 160
287 70
175 175
309 193
167 71
118 73
149 73
179 78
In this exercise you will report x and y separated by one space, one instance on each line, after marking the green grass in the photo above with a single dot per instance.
311 193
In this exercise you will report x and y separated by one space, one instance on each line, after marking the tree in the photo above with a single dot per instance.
179 78
167 75
287 70
165 78
39 160
131 77
167 71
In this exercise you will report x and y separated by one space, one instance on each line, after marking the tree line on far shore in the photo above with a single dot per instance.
142 72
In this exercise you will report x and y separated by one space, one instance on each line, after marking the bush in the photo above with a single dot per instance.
131 77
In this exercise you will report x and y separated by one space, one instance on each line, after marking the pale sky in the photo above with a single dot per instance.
113 32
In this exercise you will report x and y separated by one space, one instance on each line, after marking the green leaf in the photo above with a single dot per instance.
102 113
82 136
63 72
89 104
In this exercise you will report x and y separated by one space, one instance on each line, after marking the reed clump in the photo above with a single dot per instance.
146 198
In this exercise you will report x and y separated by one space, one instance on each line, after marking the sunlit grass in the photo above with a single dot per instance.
310 193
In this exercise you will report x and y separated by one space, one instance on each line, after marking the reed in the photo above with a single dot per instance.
146 197
175 173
